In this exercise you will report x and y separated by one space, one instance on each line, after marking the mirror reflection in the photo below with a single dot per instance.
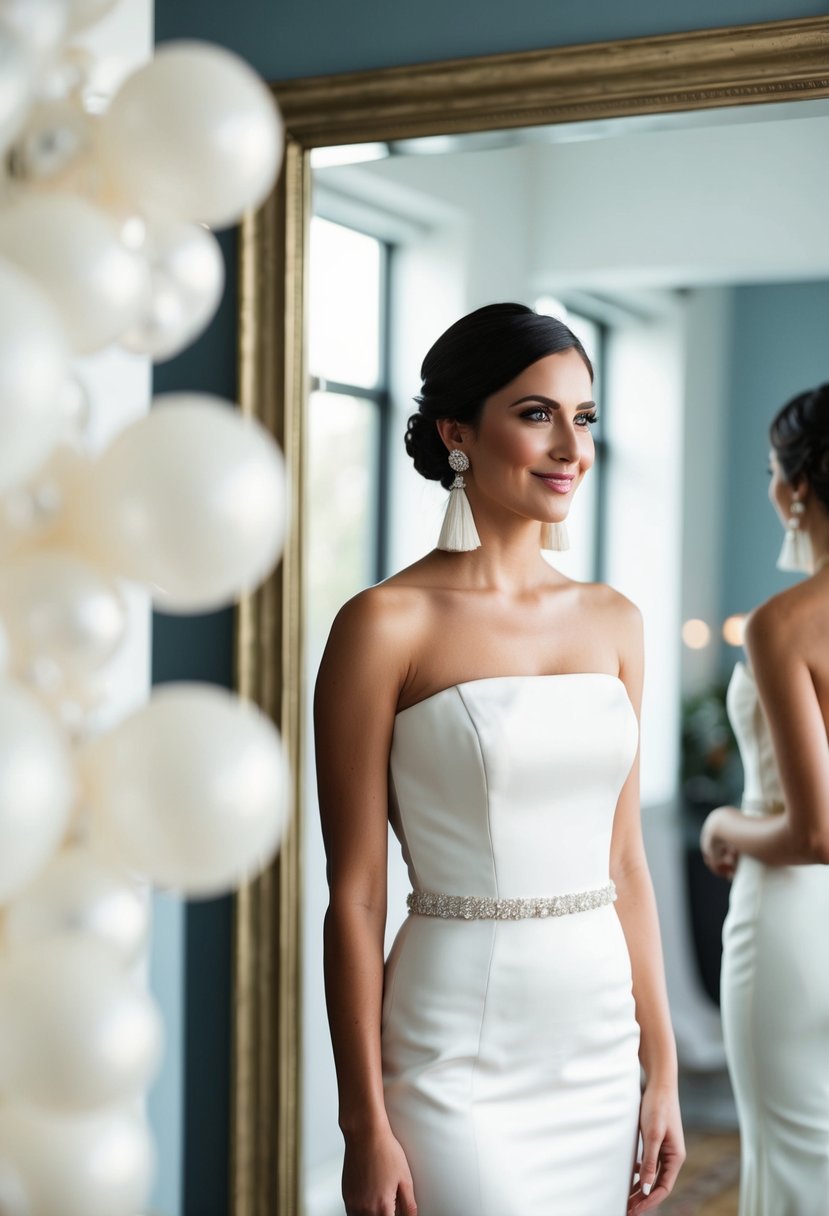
688 255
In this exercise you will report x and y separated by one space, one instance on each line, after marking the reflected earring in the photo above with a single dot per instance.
458 534
555 536
796 553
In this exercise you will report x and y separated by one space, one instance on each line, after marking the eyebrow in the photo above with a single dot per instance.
556 405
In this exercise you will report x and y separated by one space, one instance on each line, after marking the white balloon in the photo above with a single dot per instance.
80 894
83 13
190 500
39 25
37 787
54 148
195 134
15 86
191 790
77 1031
57 608
33 366
186 284
82 1165
74 252
31 514
14 1200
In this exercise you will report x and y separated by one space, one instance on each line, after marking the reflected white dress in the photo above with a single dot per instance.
510 1047
775 999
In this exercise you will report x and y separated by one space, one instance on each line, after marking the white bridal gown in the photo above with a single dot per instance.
775 999
510 1047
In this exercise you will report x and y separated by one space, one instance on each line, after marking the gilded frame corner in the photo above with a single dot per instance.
743 65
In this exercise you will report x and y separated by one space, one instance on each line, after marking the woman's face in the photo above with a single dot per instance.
532 445
780 491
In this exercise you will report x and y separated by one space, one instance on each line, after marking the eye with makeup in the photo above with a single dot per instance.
587 418
537 413
541 413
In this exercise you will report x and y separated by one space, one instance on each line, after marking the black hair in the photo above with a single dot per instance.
474 358
799 435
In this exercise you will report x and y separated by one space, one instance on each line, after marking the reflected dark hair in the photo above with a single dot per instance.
799 435
473 359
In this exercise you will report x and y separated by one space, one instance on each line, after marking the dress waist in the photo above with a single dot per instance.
762 806
484 907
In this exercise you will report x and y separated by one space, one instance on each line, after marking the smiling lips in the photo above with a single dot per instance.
562 483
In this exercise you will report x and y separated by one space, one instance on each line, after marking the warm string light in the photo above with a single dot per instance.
103 240
733 629
697 634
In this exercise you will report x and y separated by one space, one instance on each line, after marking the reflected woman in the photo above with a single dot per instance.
775 977
488 706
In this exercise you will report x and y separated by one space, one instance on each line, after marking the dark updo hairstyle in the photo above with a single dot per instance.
799 436
473 359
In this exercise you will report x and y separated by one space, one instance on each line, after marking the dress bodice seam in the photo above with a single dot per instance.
482 755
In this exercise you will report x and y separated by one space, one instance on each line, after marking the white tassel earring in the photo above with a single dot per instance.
458 534
555 537
796 553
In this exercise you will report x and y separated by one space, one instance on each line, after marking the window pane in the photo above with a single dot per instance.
588 333
341 522
344 322
341 510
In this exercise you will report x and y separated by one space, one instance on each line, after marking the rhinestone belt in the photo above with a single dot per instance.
762 806
483 907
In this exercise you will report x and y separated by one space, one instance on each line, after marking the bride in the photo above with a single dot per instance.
488 706
775 972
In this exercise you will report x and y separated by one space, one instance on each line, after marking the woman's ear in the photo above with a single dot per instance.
799 488
453 433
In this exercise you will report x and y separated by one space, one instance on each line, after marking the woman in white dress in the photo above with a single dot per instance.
775 973
488 707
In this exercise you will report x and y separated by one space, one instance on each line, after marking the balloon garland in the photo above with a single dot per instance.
105 238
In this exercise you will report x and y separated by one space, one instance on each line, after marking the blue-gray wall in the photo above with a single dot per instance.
780 346
289 38
286 38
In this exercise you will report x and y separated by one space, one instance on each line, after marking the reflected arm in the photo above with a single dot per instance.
800 835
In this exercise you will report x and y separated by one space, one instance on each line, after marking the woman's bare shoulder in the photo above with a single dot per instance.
383 625
793 621
615 609
387 606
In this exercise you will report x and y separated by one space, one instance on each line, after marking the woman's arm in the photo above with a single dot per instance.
355 702
800 835
660 1124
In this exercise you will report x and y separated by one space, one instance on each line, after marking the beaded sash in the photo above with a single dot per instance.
762 806
483 907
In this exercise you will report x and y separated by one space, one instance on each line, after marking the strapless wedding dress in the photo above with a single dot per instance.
510 1045
775 999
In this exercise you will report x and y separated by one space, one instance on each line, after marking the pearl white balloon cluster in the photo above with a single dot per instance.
103 240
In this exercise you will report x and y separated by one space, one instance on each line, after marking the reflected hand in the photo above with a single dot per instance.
717 853
376 1178
663 1150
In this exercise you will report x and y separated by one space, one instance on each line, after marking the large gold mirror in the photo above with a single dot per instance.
756 66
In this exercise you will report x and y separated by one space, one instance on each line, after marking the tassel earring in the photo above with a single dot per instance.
458 534
555 536
796 553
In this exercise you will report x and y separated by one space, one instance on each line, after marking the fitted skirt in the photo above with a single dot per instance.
510 1064
775 1007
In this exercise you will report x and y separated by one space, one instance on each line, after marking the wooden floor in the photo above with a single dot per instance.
708 1184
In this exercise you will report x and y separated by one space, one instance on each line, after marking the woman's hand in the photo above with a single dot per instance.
718 854
376 1178
663 1149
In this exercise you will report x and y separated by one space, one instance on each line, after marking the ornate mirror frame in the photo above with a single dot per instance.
743 65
